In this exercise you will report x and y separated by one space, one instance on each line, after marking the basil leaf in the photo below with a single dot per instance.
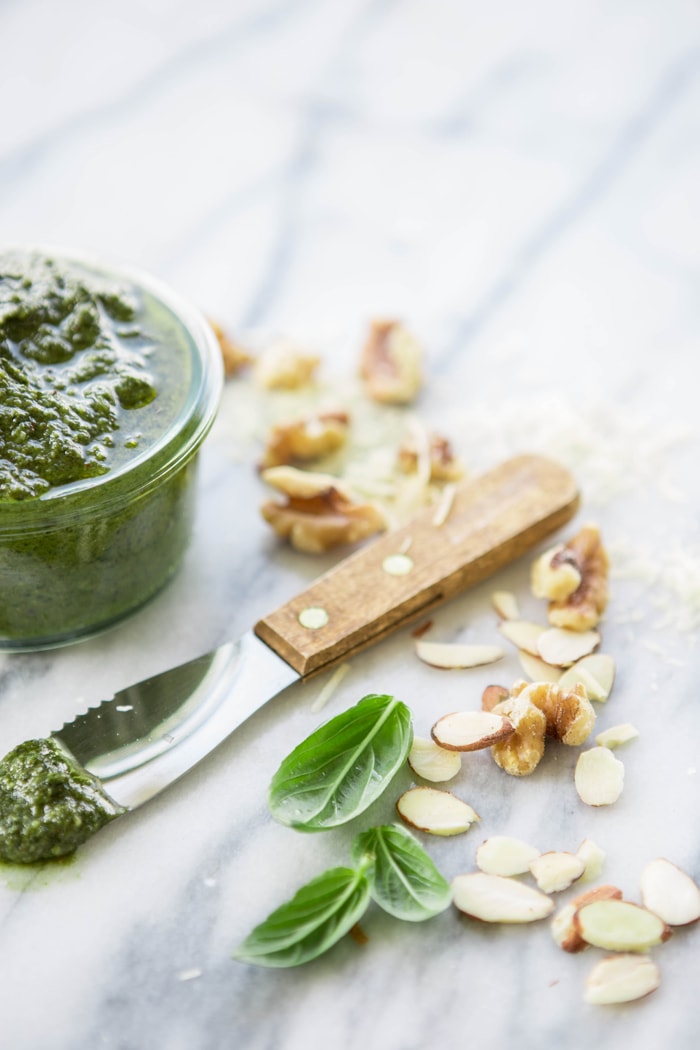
403 878
318 915
338 771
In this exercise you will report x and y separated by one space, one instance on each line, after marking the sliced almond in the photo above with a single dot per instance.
576 675
621 979
431 762
593 857
523 634
602 667
599 777
620 926
563 926
437 812
670 893
561 647
493 898
595 672
454 655
564 932
492 695
537 670
470 730
556 870
504 855
506 605
617 735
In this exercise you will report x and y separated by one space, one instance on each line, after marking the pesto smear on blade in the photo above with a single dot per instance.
77 362
48 805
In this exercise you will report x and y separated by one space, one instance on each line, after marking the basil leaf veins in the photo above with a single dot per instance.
316 917
342 767
403 878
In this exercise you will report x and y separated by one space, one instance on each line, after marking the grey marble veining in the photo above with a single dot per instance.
519 183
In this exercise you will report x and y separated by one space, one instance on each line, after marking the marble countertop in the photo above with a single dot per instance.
518 183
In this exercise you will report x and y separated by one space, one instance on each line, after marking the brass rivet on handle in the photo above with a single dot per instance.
313 618
397 564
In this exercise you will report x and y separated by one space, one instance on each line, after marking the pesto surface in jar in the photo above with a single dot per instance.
48 805
86 374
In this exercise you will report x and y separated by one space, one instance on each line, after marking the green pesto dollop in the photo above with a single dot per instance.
48 805
79 359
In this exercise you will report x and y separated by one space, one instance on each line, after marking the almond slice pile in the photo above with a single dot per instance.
602 918
565 673
573 578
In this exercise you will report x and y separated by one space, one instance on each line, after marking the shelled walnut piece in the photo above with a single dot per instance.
235 357
318 512
537 710
574 576
306 440
390 364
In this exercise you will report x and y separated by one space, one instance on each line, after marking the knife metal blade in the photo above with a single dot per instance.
146 736
149 734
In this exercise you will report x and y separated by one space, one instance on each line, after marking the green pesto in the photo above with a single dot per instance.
81 359
95 372
48 805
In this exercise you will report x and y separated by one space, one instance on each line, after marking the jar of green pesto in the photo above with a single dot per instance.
108 386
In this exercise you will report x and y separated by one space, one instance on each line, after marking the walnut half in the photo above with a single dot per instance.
318 513
304 440
538 710
390 365
575 578
234 356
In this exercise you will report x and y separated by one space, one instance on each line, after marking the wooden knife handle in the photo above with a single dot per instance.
493 520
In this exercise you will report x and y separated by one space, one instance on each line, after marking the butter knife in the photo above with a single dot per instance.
149 734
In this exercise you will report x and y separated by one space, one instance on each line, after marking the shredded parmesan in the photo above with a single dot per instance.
330 687
442 511
189 975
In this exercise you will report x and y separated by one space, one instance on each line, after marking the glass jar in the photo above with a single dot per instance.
81 556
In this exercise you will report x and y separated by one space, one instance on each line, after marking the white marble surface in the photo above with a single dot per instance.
519 182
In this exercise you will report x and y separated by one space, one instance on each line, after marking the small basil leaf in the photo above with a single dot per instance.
338 771
403 878
318 915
